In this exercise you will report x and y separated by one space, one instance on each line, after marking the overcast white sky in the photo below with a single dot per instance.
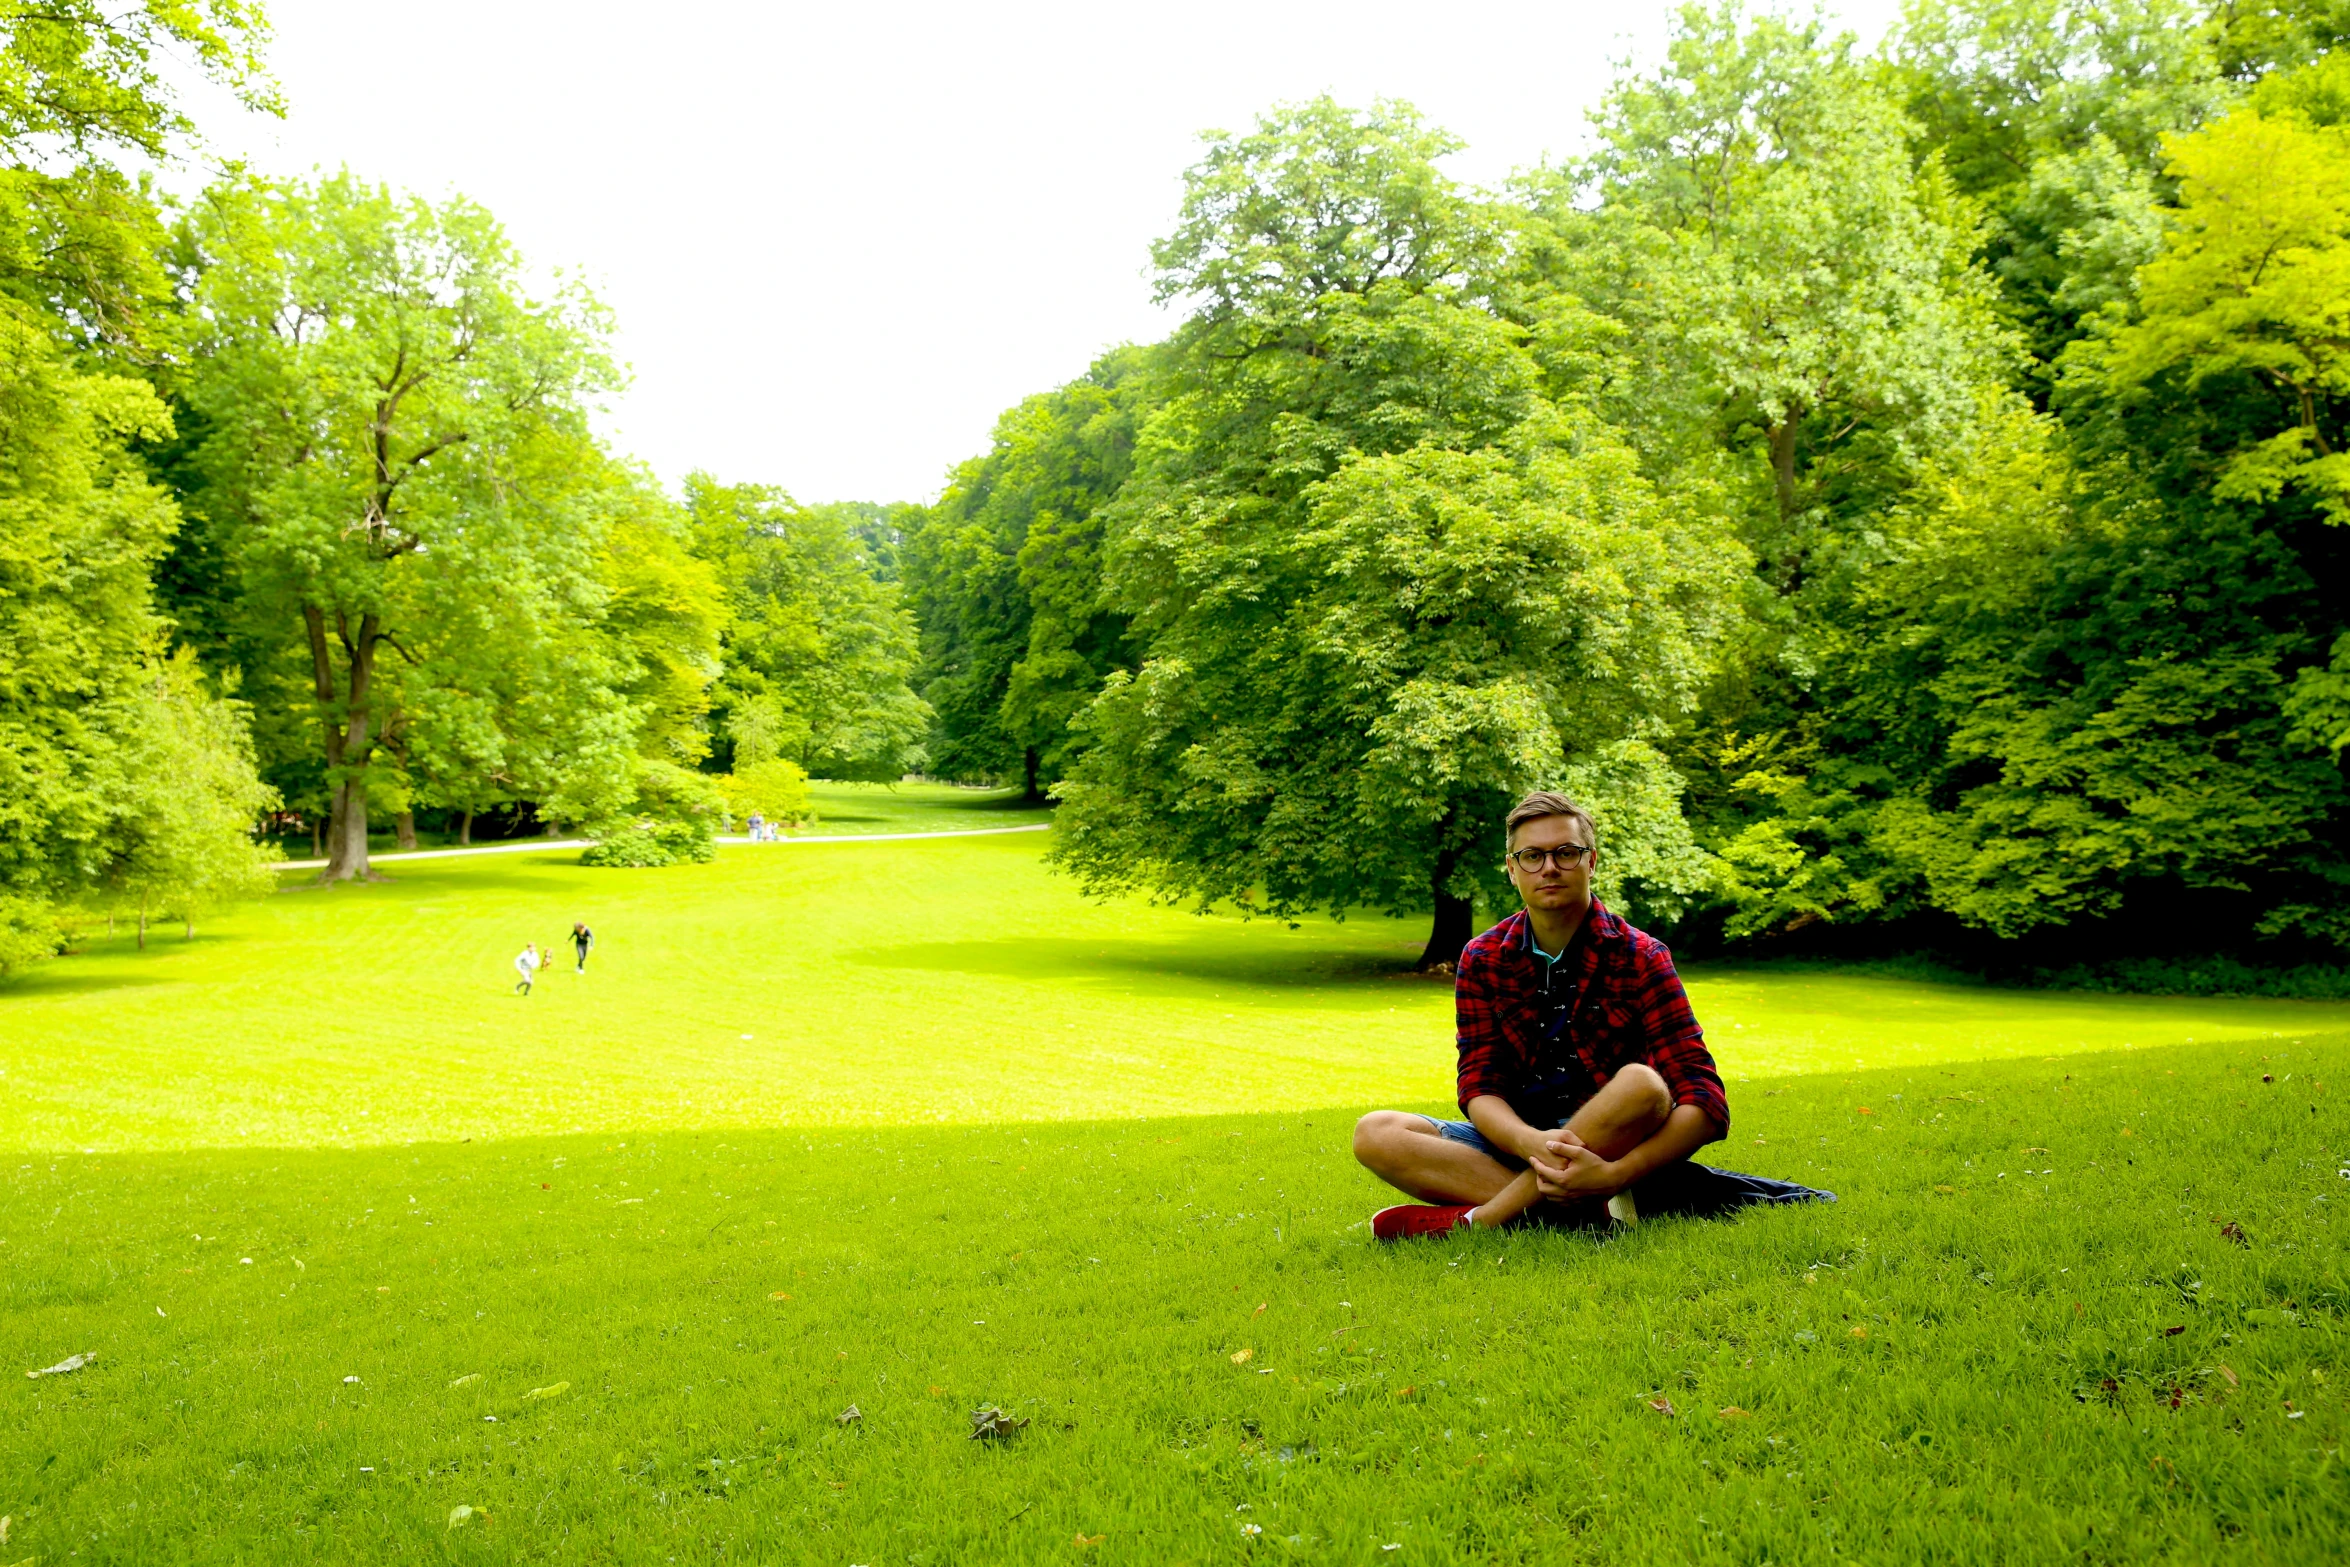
841 239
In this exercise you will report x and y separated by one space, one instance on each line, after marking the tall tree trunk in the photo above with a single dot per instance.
406 822
191 927
142 922
465 830
1453 924
1029 760
347 737
346 835
317 849
1783 464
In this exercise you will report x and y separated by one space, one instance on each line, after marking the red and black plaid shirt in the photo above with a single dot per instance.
1545 1036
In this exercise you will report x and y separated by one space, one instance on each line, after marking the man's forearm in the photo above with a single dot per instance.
1504 1127
1685 1131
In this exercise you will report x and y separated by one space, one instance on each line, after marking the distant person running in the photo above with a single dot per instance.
1583 1076
583 941
526 964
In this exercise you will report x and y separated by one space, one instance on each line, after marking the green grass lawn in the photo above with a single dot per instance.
858 808
908 1126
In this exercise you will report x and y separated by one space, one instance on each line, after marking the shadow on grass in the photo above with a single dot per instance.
55 979
1063 959
901 805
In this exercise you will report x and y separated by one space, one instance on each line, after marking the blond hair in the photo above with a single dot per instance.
1548 802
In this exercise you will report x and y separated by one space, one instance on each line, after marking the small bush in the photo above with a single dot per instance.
644 844
28 932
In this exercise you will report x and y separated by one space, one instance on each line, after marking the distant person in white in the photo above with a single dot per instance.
526 964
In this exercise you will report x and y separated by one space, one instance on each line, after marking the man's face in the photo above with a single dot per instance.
1555 883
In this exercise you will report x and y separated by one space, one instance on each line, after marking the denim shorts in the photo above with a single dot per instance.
1466 1133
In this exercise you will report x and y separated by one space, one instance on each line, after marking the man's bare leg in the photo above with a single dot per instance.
1625 1113
1408 1153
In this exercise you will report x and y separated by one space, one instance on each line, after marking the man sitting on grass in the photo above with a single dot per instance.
1582 1072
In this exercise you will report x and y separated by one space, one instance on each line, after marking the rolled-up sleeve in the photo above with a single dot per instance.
1676 1045
1477 1016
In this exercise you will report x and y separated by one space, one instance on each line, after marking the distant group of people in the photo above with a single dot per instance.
762 830
533 957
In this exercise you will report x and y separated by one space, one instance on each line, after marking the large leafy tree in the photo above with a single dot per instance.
2050 116
398 471
1380 580
86 686
818 649
1006 574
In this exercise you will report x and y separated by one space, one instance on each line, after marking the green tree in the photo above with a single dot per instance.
181 836
396 460
1006 578
817 649
80 524
1782 272
2051 115
2254 282
1380 580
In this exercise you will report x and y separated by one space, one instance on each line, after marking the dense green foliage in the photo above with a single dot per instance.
1906 492
1006 576
1903 491
124 777
818 643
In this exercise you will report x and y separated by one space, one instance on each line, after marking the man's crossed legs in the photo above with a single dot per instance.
1470 1179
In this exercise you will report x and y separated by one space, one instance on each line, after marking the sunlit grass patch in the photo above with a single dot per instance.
608 1273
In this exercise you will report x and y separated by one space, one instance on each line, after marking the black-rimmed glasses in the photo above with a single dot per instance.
1566 856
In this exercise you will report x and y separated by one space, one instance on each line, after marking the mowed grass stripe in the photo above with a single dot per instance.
884 984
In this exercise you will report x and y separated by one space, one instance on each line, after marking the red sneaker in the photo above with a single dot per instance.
1417 1218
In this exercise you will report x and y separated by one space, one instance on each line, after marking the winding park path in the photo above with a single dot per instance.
582 843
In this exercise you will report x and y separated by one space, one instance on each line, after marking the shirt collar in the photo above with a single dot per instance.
1598 925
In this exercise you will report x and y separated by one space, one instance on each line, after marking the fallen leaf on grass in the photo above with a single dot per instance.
1084 1540
467 1379
2231 1376
2234 1232
461 1515
1663 1406
1735 1413
779 1295
2126 1132
990 1422
1241 1357
848 1416
1944 1190
1260 1311
1407 1392
1865 1110
69 1363
2174 1332
936 1390
1860 1330
552 1390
